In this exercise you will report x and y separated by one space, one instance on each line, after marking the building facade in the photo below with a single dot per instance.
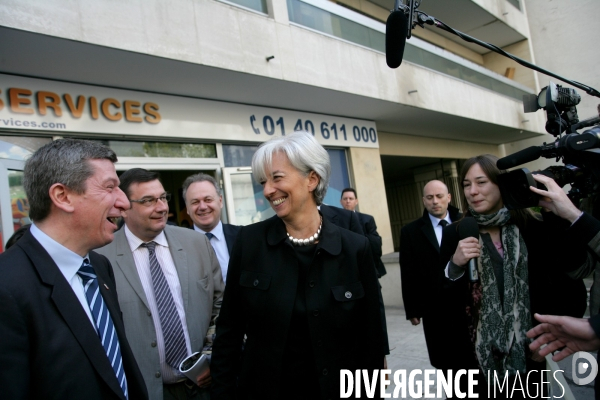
181 86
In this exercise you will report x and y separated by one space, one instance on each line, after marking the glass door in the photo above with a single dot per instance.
244 197
14 207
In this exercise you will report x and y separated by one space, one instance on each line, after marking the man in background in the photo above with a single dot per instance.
60 322
422 276
204 202
349 201
170 288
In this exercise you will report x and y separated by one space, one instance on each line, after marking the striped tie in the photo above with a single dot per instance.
104 324
175 347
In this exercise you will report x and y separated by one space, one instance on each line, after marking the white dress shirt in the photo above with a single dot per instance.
219 246
437 228
142 263
68 263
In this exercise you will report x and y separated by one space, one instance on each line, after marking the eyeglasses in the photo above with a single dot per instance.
151 201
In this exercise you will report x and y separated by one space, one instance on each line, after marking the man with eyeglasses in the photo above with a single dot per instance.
169 285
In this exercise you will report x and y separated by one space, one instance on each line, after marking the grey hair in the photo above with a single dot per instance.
62 161
304 153
201 177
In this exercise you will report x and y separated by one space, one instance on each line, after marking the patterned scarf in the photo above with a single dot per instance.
498 330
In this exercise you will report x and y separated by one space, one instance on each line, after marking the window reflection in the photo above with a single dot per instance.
161 149
18 199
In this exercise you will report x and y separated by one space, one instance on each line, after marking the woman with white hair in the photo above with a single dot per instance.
303 291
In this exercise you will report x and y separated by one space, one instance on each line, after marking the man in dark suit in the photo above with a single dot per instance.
422 277
342 218
204 202
349 201
60 321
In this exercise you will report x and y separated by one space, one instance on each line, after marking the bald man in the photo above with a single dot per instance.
422 276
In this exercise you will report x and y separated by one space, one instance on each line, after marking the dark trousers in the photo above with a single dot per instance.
185 390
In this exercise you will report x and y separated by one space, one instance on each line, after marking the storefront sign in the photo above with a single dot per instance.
39 105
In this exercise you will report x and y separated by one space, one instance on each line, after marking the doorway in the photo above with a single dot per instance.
172 181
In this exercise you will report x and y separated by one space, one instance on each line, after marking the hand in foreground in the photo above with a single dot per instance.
574 334
555 199
415 321
204 379
467 248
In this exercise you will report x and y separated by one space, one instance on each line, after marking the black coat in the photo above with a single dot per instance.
370 227
552 251
423 284
341 301
48 347
230 232
342 218
350 220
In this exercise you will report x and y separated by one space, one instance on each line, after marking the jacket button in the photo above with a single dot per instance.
325 372
153 344
256 282
348 295
311 284
319 343
316 313
148 313
157 374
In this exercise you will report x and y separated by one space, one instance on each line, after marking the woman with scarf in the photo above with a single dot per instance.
522 262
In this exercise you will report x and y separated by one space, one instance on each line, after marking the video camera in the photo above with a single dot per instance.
579 152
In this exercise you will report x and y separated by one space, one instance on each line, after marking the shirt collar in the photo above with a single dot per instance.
67 261
217 231
435 221
135 242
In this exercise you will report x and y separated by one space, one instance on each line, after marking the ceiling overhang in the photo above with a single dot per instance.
47 57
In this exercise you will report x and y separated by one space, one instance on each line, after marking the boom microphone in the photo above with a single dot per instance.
396 29
468 227
520 157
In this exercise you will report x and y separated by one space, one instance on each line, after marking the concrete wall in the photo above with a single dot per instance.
564 37
369 185
507 13
391 283
498 63
216 34
391 144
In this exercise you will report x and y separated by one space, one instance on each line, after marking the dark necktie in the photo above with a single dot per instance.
175 347
443 223
104 324
209 235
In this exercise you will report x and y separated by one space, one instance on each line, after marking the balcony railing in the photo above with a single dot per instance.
334 20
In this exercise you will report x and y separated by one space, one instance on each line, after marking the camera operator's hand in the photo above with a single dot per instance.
567 334
555 199
467 248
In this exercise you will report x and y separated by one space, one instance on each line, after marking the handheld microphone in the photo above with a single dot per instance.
468 227
396 29
520 157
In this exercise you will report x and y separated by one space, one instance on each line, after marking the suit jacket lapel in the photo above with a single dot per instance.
331 216
126 264
181 265
70 309
429 233
229 237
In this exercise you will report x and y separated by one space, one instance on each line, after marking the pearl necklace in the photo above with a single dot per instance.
310 240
